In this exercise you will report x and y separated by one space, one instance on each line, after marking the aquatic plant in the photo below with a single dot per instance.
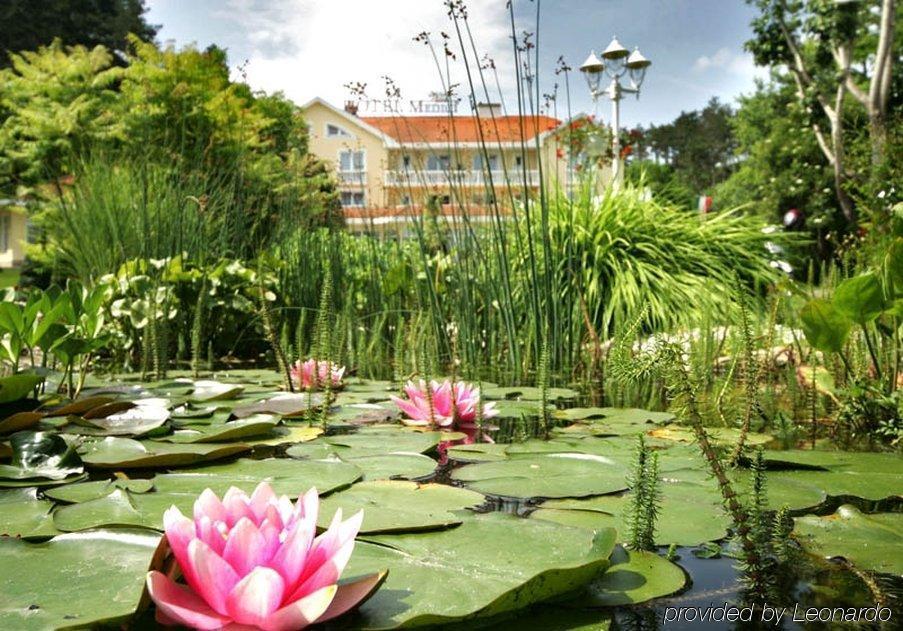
313 374
645 499
254 561
447 405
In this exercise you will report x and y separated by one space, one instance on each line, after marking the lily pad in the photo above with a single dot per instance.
871 476
549 475
145 415
119 453
256 425
286 476
66 586
489 565
39 458
871 542
286 404
720 435
22 514
208 390
612 421
690 513
86 491
634 577
79 407
394 465
19 421
399 506
529 393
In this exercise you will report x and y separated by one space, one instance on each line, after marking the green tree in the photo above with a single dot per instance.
834 52
698 147
780 164
55 103
30 24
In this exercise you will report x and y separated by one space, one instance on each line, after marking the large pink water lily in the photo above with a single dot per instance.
254 562
313 374
452 406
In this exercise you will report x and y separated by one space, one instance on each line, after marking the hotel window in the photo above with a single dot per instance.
405 162
353 199
438 162
478 161
518 161
405 200
334 131
351 161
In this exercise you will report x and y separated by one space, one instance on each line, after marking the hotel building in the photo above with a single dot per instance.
392 167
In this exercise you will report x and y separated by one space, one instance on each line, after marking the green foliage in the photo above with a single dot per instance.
645 498
861 298
28 24
782 166
824 327
173 120
698 147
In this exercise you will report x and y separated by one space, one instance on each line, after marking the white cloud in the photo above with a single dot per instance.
308 48
727 60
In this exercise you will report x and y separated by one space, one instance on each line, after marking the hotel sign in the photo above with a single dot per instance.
437 103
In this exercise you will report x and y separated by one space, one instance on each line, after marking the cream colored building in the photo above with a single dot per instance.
13 231
389 167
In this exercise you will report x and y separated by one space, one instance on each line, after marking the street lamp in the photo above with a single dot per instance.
616 61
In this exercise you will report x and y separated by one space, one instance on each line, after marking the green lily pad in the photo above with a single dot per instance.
39 458
690 513
371 441
115 509
208 390
394 465
871 476
719 435
871 542
549 475
22 514
119 453
141 418
286 476
528 393
286 404
15 387
478 452
66 586
400 506
634 577
86 491
256 425
490 564
611 421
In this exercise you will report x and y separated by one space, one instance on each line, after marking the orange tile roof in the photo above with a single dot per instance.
408 129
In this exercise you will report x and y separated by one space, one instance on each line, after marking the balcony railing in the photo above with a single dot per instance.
414 177
353 178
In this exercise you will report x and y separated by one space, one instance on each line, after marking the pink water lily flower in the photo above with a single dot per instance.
454 405
314 374
254 562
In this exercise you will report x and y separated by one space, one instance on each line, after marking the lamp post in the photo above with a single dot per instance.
616 62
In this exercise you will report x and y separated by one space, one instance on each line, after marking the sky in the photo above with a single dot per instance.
309 48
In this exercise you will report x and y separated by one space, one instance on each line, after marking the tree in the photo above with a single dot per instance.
696 149
55 103
30 24
780 166
829 52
